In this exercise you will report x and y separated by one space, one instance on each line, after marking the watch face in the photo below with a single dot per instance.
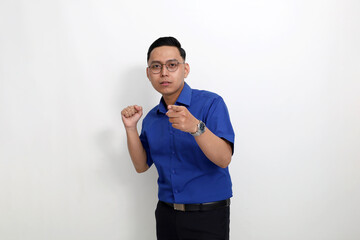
202 127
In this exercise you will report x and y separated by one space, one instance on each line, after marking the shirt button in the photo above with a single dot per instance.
176 191
173 171
173 152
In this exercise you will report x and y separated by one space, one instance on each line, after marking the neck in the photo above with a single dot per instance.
171 99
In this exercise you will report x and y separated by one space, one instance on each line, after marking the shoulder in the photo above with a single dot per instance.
205 95
206 98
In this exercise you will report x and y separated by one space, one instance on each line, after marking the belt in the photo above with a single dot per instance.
199 207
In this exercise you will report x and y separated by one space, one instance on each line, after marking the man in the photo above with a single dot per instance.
189 138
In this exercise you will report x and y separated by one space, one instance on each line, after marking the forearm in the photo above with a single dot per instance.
215 149
136 150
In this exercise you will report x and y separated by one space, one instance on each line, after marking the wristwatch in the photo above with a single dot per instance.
200 129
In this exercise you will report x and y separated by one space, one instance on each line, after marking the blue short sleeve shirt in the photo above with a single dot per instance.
186 175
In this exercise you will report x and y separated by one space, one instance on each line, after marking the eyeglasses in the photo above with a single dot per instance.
171 66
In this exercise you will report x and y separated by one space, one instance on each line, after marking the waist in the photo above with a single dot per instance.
198 207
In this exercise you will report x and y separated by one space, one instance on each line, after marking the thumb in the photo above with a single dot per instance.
138 109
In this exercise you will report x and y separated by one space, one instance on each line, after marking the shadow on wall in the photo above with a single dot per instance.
140 193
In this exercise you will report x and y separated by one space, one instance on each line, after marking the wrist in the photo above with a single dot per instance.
196 122
131 129
200 129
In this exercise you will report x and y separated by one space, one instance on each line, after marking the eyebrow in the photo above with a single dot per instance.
156 61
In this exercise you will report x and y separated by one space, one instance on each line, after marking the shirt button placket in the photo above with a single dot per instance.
172 159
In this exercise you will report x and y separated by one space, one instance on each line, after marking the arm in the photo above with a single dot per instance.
130 117
215 149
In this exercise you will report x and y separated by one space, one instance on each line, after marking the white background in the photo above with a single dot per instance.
289 72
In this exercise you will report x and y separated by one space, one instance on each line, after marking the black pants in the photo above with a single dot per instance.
176 225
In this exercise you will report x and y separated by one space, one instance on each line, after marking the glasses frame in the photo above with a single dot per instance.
162 65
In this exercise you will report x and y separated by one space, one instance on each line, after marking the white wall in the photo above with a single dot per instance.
288 70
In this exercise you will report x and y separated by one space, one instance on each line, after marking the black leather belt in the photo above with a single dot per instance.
199 207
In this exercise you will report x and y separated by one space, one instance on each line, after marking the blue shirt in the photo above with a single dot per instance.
186 175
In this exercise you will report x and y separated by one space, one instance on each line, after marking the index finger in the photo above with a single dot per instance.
176 108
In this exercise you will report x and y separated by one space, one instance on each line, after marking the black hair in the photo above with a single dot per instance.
167 41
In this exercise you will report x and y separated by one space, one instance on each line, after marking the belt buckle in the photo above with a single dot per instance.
179 207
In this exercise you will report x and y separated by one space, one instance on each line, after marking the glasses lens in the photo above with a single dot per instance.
172 65
155 68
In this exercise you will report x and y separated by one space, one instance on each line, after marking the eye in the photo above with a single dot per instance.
172 64
155 66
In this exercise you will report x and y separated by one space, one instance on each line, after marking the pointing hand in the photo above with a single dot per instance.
182 119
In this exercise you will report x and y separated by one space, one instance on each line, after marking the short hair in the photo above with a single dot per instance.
166 41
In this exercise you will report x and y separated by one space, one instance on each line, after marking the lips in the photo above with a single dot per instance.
165 83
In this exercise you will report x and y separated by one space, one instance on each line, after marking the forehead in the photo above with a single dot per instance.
164 53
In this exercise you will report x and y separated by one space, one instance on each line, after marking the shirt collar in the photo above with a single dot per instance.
183 99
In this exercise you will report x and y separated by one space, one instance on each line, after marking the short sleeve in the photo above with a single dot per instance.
218 121
145 144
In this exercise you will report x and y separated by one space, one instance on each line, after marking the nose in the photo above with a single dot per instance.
164 70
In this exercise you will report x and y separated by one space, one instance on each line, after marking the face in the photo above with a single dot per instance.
166 82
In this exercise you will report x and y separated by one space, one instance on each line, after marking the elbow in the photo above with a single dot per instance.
225 162
226 155
142 169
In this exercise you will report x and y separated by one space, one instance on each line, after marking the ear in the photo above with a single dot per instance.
147 73
187 69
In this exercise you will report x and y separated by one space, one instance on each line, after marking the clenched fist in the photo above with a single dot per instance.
131 115
182 119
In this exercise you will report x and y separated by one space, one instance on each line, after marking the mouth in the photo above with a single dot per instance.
165 83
